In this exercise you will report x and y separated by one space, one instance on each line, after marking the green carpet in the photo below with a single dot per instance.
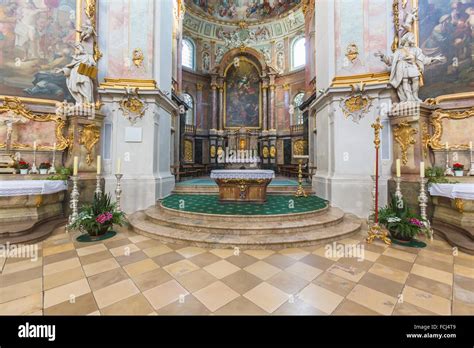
275 205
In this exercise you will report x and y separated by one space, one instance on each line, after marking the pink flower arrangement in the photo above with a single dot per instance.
103 218
416 222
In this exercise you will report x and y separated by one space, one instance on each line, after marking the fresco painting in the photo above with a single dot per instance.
242 96
446 28
36 38
236 10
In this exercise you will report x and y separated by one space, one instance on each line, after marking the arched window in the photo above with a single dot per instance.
187 54
298 114
298 53
190 113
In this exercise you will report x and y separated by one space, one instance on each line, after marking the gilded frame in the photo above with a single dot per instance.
437 122
259 96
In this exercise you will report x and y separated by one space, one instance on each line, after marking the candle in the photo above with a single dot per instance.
447 146
470 145
398 168
54 147
34 145
98 165
422 169
118 165
76 162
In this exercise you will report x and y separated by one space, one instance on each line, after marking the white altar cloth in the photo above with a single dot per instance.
253 174
31 187
462 191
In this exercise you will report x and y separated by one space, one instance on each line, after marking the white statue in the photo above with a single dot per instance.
219 54
280 62
205 61
407 65
87 31
408 23
79 84
266 55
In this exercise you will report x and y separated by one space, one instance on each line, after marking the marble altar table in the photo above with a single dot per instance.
243 185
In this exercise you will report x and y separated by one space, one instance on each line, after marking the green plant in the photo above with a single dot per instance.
99 216
436 175
400 221
63 173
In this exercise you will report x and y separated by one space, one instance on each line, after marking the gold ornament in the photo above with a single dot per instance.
137 57
352 52
377 126
89 136
459 204
188 150
425 139
212 151
437 123
403 135
298 147
265 152
16 106
272 151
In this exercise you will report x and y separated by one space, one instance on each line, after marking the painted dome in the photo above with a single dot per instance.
236 11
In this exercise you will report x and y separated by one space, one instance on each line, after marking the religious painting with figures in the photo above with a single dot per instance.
242 96
446 28
36 38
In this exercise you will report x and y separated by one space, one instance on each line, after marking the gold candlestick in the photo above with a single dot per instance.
300 192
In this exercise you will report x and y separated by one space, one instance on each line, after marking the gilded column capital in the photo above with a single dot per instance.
199 86
286 86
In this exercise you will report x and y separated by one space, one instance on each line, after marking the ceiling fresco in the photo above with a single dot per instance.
235 11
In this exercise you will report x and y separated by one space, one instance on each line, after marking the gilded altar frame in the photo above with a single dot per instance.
259 96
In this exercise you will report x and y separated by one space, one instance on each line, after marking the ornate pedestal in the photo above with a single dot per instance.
243 185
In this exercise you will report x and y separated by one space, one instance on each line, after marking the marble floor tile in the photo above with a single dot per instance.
464 271
240 305
320 298
241 281
99 267
67 292
334 283
107 278
427 301
389 273
373 299
204 259
12 292
91 249
215 295
304 271
190 251
165 293
115 293
288 282
157 250
294 253
267 297
189 306
23 306
196 280
317 261
348 307
433 273
262 270
242 260
259 254
148 280
429 285
221 269
133 305
222 253
82 305
61 266
180 268
140 267
400 254
277 260
64 277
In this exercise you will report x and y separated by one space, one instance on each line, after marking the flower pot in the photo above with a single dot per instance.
458 173
23 171
43 171
400 238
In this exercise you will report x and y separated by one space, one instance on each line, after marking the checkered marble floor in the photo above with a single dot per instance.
133 275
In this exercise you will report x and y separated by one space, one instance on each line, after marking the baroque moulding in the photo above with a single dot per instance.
89 137
437 123
132 106
403 135
352 52
16 106
355 106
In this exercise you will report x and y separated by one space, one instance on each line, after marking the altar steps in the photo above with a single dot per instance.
29 232
246 232
455 236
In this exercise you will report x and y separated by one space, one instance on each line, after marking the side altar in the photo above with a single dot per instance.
243 185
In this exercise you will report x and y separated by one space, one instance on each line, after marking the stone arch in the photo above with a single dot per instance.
250 53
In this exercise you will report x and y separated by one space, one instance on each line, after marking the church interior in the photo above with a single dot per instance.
236 157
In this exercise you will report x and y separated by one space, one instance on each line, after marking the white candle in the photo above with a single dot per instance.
98 165
447 146
119 163
422 169
54 147
34 145
470 145
398 168
76 162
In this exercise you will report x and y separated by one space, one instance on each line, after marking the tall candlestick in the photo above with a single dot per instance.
98 165
76 162
422 169
119 164
398 168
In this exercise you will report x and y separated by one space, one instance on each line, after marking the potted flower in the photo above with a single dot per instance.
458 169
99 217
402 224
23 166
44 167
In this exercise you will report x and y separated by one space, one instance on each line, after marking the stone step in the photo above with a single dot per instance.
455 236
345 228
30 233
242 225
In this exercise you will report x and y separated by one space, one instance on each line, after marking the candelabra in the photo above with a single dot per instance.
448 171
52 170
300 191
98 190
118 191
471 171
398 191
34 170
376 231
74 200
423 200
